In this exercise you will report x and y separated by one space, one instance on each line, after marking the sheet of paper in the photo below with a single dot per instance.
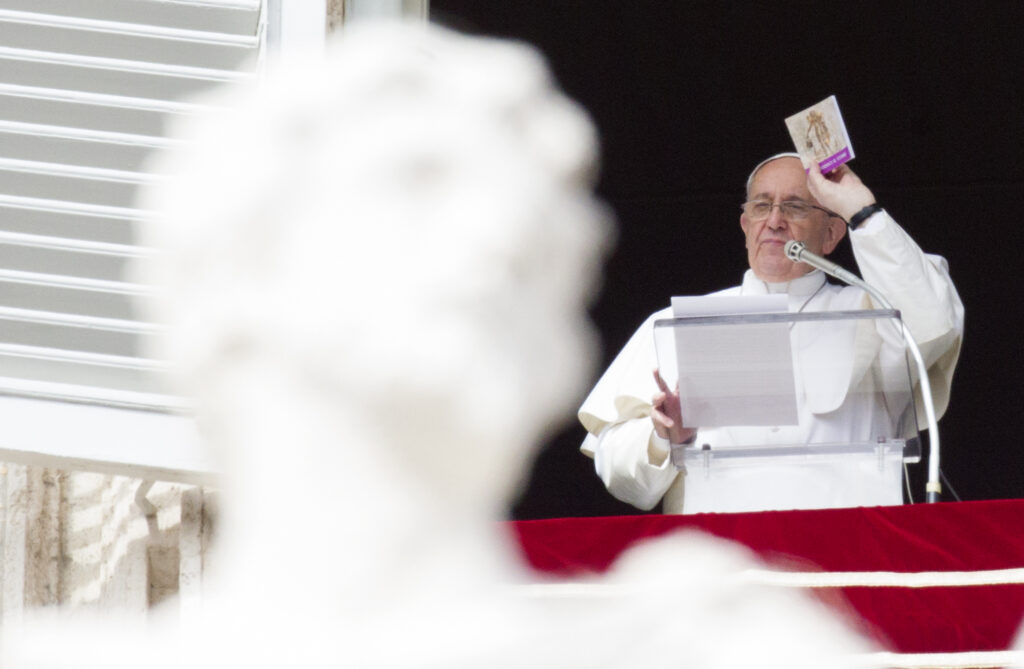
734 374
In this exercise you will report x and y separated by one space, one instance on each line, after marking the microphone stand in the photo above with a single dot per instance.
796 252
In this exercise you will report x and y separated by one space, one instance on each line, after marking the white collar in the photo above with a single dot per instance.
808 284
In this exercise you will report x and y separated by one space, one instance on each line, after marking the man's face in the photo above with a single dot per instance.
780 181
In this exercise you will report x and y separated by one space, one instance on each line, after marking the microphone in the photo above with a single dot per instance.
797 252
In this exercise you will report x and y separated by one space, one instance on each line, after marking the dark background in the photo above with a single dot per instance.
689 95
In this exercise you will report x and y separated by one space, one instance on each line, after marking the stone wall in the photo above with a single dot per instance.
335 14
81 540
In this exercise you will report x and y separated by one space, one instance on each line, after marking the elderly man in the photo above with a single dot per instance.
633 418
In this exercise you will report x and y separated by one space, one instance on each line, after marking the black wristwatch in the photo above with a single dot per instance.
864 214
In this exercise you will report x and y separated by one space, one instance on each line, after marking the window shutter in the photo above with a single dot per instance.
85 90
86 87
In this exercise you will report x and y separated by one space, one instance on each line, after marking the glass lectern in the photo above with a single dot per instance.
793 410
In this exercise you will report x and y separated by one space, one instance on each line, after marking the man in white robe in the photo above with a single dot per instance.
633 418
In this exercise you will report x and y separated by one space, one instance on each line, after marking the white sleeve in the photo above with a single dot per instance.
919 285
633 462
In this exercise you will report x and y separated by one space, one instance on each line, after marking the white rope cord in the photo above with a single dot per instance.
921 579
986 658
848 579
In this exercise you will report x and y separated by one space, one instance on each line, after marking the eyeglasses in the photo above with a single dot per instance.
792 210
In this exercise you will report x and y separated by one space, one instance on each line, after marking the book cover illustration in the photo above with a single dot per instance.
819 134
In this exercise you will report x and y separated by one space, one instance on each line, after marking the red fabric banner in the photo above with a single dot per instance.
951 537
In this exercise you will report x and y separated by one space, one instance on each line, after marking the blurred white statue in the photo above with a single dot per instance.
375 270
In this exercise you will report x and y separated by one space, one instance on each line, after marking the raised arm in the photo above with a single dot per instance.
916 283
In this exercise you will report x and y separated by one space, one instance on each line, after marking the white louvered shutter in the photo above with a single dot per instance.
85 89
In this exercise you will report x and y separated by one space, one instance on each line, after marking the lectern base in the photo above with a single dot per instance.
811 482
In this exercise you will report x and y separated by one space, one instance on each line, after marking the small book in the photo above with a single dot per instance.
819 134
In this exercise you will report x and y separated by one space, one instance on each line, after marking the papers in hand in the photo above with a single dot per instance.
819 134
732 373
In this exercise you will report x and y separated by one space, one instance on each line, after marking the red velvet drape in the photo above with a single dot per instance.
960 537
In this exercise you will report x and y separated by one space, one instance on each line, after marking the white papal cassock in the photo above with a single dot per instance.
635 464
